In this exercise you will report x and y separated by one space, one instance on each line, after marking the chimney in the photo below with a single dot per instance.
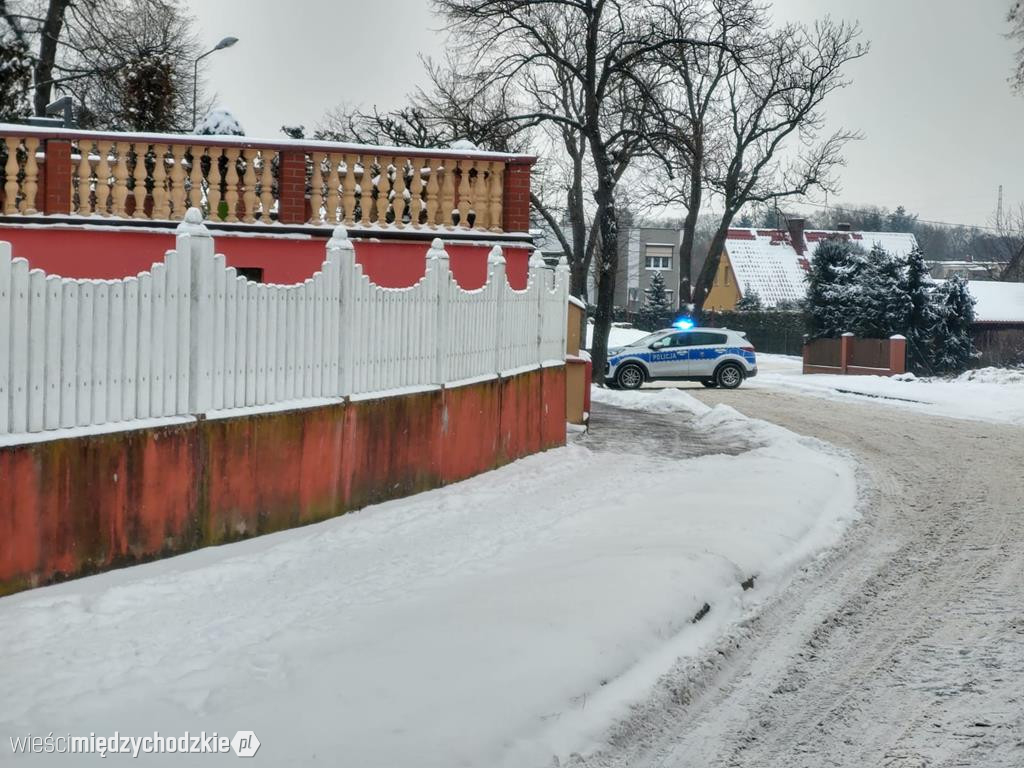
796 234
844 227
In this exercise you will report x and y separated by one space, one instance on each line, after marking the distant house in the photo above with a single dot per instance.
998 330
773 263
968 270
644 252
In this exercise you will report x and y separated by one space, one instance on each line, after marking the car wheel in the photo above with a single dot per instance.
729 376
630 377
709 383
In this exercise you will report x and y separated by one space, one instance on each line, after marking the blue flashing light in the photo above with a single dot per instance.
683 324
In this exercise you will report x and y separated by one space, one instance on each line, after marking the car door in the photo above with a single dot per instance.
707 347
670 356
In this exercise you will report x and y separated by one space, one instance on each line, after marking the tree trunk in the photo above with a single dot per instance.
707 273
608 267
689 236
49 38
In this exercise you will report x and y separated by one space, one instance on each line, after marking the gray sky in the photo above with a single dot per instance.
942 128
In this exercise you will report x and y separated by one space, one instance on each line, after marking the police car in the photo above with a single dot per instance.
716 357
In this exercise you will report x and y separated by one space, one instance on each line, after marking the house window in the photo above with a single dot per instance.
669 294
658 257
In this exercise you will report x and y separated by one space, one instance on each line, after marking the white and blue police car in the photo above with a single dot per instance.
716 357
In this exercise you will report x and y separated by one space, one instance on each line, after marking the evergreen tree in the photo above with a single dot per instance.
950 347
15 75
885 305
750 302
656 311
920 318
833 299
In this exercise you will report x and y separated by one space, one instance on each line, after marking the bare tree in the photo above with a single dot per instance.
773 126
127 63
1016 19
578 65
688 114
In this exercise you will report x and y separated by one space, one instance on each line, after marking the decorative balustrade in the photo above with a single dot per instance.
191 336
232 180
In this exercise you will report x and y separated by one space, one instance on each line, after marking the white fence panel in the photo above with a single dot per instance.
191 335
130 370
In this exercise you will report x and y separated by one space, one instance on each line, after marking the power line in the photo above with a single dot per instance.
923 221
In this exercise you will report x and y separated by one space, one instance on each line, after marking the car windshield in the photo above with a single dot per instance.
648 340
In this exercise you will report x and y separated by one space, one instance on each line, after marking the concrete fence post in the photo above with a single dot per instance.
342 254
438 267
897 354
498 284
195 254
845 352
562 275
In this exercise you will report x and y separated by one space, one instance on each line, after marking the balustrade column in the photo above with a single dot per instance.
161 210
178 181
120 193
231 195
84 178
31 185
266 185
141 150
103 176
11 176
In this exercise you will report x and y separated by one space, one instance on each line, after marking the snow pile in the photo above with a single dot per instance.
219 122
496 622
990 375
463 145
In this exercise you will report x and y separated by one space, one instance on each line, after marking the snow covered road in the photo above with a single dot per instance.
495 622
903 649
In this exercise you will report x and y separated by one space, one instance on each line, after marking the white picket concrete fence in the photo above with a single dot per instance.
191 336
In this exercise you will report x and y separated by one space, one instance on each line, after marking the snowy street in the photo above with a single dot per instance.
905 647
495 622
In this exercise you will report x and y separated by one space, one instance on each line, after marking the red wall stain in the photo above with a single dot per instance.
79 505
469 430
85 253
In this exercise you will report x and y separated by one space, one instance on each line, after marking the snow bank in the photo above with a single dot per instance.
617 337
496 622
988 394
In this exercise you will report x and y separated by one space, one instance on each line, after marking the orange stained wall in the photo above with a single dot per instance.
80 505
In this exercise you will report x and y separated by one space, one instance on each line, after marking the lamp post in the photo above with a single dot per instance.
227 42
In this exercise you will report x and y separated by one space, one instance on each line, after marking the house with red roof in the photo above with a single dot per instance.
773 263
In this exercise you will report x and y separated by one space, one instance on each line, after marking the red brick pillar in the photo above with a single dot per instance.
845 351
57 177
516 196
897 354
291 187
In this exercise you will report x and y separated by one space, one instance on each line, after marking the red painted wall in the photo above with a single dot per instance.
75 506
82 252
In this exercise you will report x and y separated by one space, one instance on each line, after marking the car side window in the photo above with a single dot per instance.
718 339
684 340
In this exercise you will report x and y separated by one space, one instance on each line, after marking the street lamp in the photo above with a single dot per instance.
227 42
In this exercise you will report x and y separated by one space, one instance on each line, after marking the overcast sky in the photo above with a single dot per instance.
942 128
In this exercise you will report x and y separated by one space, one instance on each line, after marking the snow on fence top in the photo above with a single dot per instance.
235 179
191 336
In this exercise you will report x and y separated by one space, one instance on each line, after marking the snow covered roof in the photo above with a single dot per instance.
997 302
765 262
